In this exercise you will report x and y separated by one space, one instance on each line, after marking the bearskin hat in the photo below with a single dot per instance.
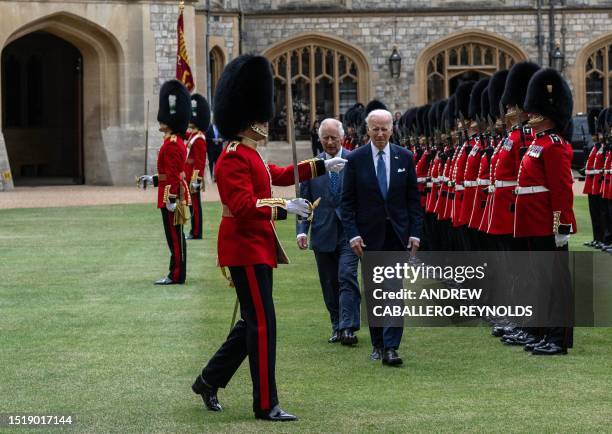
462 97
440 115
450 113
549 95
375 105
432 118
497 84
516 84
422 120
485 107
244 95
409 120
174 106
200 112
475 107
602 119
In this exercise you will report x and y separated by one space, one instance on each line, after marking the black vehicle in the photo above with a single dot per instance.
581 141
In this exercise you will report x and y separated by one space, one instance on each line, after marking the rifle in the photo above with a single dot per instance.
146 155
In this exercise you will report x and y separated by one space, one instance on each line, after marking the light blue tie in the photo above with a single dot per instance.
381 174
333 182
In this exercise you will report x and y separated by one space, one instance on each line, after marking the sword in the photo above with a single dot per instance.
146 156
291 138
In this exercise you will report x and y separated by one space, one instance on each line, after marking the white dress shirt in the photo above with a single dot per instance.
386 158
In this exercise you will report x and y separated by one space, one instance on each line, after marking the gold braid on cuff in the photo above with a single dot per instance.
274 204
313 166
556 221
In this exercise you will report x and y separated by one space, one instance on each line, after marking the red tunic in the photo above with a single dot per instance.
482 191
598 166
486 214
443 191
606 185
547 163
469 182
196 156
506 172
348 143
589 171
458 177
434 184
170 177
247 235
422 167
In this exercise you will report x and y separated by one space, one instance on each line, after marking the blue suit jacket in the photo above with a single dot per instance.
364 211
327 228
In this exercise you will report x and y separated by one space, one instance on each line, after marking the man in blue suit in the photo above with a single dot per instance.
381 210
336 262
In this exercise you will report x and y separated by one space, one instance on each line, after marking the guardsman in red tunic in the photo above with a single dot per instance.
172 190
544 216
422 154
606 193
501 227
592 185
472 164
247 242
196 160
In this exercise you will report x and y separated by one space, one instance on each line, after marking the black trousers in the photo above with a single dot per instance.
562 336
606 206
595 202
254 335
196 215
177 246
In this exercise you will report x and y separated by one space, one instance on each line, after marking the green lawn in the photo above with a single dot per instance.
84 332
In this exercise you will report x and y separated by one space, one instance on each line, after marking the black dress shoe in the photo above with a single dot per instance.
391 358
335 337
208 394
348 337
589 243
377 353
497 331
530 346
275 415
166 281
549 349
189 237
523 339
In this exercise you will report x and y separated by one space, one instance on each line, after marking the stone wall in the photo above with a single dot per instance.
221 26
163 18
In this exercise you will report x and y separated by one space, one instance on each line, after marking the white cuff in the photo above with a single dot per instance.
414 238
301 235
354 238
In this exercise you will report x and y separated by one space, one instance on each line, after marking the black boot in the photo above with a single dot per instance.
208 394
275 415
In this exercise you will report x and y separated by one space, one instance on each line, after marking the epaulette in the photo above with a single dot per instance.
527 130
232 146
555 138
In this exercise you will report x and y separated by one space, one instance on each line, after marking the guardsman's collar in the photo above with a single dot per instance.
247 141
545 132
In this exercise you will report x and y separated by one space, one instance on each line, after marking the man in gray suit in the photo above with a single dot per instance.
336 262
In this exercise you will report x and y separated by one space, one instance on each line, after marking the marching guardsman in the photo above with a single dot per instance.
443 218
456 187
472 163
247 241
172 190
501 226
422 162
196 160
592 183
606 188
544 218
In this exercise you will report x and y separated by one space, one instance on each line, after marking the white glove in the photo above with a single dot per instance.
302 241
299 206
145 179
171 206
335 164
195 185
561 240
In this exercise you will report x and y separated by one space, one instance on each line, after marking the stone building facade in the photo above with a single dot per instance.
333 52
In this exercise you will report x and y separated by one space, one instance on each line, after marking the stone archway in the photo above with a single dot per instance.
102 89
473 53
216 60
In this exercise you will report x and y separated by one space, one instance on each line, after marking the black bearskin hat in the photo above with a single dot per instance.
432 118
408 122
497 85
462 98
549 95
516 84
450 113
485 107
602 119
174 106
244 95
375 105
422 120
592 120
354 116
440 115
200 112
475 97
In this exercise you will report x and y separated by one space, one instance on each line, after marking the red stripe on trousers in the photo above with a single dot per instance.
262 338
176 272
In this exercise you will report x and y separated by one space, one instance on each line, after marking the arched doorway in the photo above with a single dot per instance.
593 76
217 62
468 55
326 74
42 109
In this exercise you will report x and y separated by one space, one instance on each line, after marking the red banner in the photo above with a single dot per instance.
183 70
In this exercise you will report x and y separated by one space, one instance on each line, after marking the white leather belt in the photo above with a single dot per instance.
502 184
491 188
591 172
608 172
443 178
530 190
429 184
483 181
470 183
422 180
459 187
